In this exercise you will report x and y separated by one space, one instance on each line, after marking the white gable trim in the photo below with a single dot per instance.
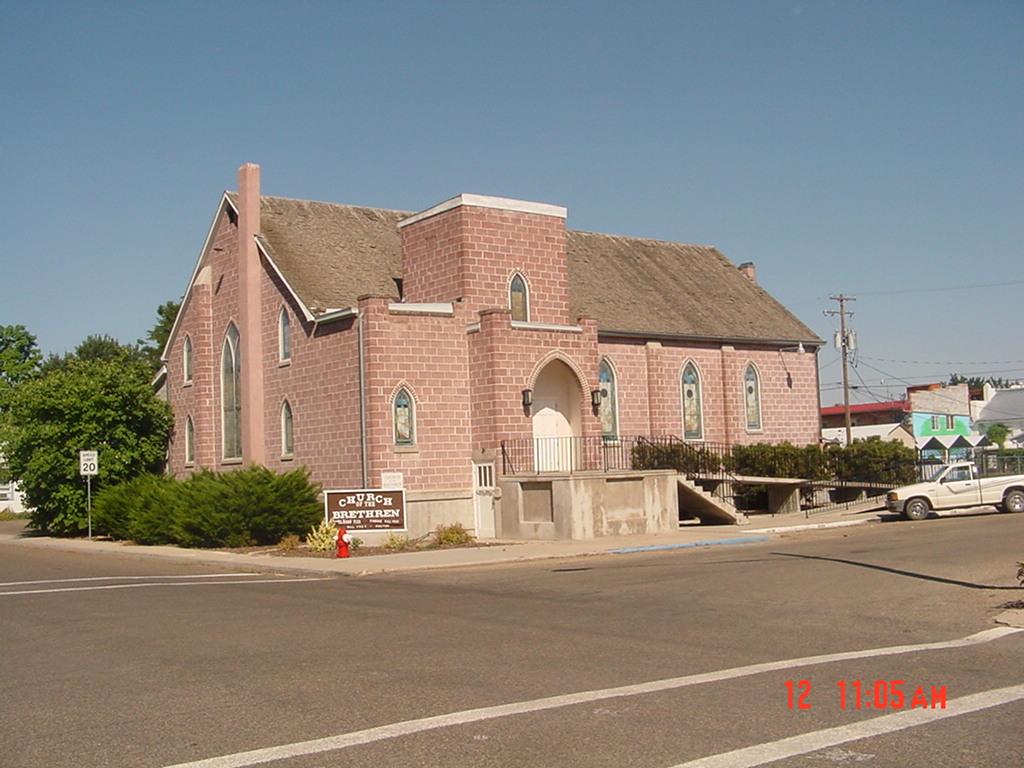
305 310
225 201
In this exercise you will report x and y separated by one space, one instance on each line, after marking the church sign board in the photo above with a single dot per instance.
367 509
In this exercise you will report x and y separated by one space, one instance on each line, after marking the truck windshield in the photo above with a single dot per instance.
930 475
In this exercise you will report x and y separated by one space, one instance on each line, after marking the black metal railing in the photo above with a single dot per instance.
828 477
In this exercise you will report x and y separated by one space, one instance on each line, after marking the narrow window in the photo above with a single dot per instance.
752 397
609 408
519 299
284 336
231 395
186 359
190 442
935 423
693 409
950 422
287 438
405 425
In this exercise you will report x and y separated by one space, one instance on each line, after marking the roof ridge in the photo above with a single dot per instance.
325 202
659 241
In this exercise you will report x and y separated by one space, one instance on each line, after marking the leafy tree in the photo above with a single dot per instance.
102 404
977 382
998 433
153 345
96 348
19 359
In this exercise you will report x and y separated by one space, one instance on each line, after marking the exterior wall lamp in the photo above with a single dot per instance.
596 396
527 398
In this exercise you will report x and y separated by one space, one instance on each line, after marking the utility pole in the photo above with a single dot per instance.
844 344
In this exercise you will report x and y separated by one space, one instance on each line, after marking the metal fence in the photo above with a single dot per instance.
828 477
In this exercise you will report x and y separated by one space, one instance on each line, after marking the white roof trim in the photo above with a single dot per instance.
305 310
437 308
336 314
485 201
527 326
225 199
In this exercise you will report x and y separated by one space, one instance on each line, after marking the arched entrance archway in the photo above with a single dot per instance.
556 418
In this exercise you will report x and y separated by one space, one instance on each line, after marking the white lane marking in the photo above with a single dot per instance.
120 578
759 754
408 727
156 584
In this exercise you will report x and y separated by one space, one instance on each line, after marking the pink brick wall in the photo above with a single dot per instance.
320 383
650 391
506 360
205 316
472 252
427 354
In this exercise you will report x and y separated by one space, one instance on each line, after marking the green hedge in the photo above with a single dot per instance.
871 460
228 509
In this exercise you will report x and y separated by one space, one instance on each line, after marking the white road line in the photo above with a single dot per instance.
408 727
157 584
760 754
120 578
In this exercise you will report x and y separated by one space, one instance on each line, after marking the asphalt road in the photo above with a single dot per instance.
115 662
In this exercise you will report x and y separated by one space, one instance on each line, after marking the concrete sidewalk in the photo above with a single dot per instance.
761 528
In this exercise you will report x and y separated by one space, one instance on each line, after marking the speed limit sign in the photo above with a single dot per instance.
88 463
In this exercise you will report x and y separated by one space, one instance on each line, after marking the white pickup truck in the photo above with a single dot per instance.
957 485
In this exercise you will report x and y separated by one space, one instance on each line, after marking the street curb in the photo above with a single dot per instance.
1011 618
687 545
817 526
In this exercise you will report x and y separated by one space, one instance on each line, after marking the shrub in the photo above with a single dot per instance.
874 460
234 509
453 535
143 509
677 455
355 544
289 542
397 542
322 537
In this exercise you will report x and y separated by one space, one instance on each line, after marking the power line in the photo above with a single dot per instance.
942 362
942 289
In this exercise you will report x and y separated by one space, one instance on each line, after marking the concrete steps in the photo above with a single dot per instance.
707 507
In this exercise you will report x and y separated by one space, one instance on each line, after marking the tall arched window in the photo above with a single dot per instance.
693 408
284 336
186 359
190 441
752 397
231 394
405 418
609 408
519 298
287 432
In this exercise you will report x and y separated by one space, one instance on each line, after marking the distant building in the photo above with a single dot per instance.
899 433
1001 406
865 414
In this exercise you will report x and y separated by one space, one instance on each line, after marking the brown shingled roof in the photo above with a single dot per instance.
653 286
331 254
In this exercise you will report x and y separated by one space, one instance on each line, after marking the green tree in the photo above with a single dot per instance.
19 359
102 404
998 433
96 347
153 345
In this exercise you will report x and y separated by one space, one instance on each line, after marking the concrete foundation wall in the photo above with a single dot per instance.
587 505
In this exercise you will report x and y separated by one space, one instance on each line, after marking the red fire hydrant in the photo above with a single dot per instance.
343 541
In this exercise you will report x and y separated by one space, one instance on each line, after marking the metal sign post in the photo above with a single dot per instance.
88 465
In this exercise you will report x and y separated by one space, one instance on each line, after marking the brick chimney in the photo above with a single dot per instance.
250 314
749 271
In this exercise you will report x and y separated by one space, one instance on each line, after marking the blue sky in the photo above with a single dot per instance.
867 148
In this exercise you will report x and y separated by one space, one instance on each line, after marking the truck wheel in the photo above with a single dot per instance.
1014 501
916 509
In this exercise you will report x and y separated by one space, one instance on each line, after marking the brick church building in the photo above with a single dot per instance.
382 348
